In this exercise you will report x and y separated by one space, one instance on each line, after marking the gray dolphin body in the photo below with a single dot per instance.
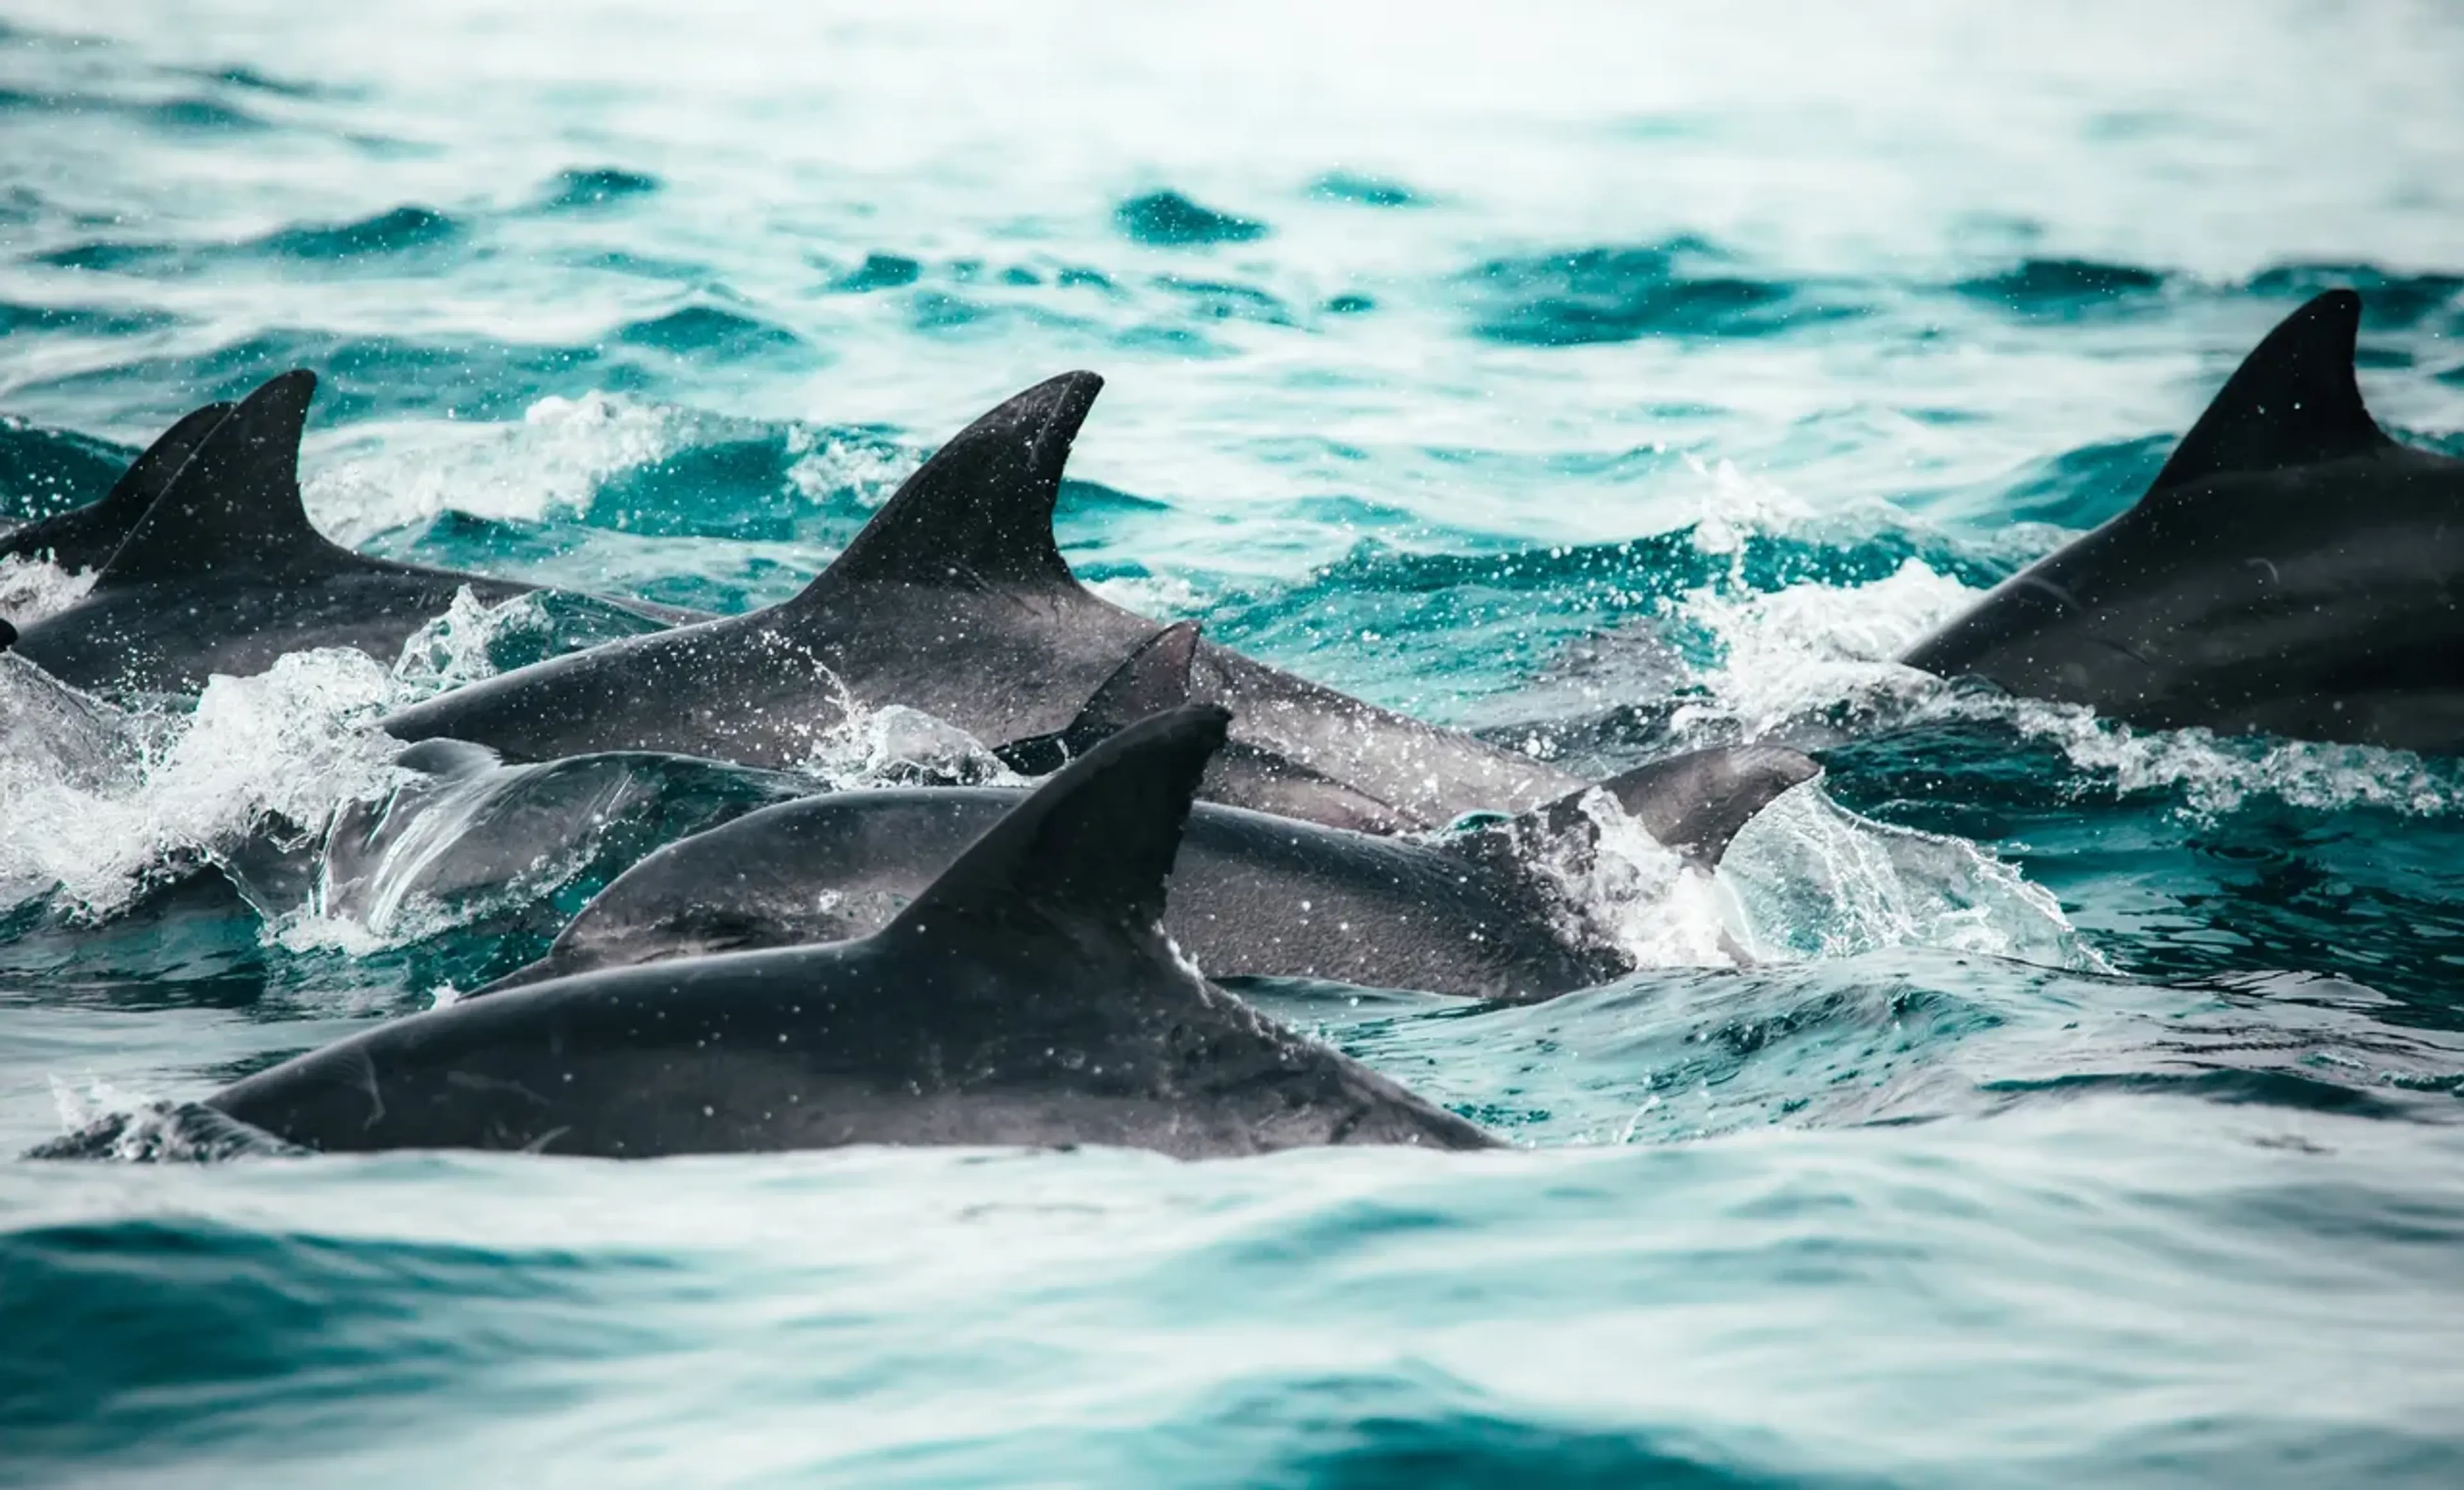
1253 894
225 573
955 600
2292 571
1027 997
84 537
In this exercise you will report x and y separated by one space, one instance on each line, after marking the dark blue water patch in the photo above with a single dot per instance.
582 190
1606 295
1415 1430
367 377
1359 191
404 229
2084 486
256 81
2060 288
406 237
708 333
200 117
141 1341
111 256
879 271
1167 219
45 470
2390 301
1216 299
80 321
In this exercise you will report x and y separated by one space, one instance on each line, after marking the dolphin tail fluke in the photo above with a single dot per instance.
977 515
1154 678
1696 802
1092 847
2293 401
237 501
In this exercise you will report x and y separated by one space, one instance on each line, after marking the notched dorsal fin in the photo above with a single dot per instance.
1154 678
1695 802
1090 848
2294 401
237 502
979 514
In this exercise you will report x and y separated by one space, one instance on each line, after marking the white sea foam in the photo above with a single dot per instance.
822 465
35 589
271 753
1815 880
555 459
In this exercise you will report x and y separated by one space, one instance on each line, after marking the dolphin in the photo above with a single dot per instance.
84 537
461 830
2292 571
225 573
955 600
1028 996
1469 913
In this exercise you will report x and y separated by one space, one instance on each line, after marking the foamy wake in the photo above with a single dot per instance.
34 589
1821 654
555 459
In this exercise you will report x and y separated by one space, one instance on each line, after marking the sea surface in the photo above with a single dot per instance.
2033 1102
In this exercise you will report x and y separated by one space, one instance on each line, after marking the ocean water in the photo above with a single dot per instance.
2084 1108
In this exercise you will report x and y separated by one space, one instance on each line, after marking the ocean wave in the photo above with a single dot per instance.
1685 287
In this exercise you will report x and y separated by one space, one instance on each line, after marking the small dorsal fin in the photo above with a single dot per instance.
83 537
1154 678
8 634
1695 802
980 513
2293 402
237 502
1090 846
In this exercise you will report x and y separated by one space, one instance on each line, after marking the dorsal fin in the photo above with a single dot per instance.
236 503
1090 848
1694 803
8 634
979 514
2291 401
1151 679
150 474
83 537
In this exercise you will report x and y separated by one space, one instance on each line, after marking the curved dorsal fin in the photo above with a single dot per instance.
1090 847
1154 678
979 514
84 537
2293 402
236 503
151 473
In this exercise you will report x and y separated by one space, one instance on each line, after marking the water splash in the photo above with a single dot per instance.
35 589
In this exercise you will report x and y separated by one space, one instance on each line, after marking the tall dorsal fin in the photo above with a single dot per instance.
1154 678
979 514
150 474
1089 848
236 503
2293 402
83 537
1695 802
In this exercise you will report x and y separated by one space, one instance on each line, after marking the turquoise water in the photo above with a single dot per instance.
2087 1112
